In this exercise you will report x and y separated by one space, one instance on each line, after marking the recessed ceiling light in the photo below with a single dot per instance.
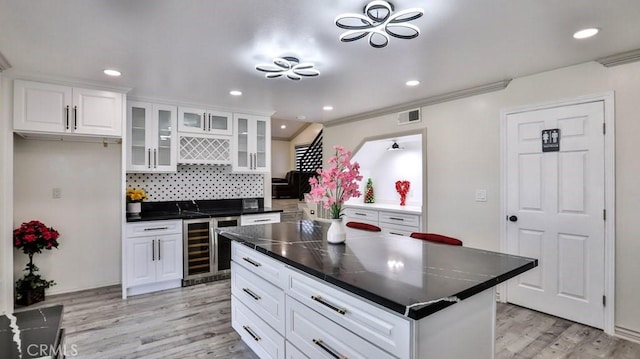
328 108
585 33
235 93
412 83
283 126
112 72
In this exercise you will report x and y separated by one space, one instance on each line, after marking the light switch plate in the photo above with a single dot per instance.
481 195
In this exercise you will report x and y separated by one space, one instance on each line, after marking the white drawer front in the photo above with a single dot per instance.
293 352
154 228
400 219
389 331
260 264
265 299
260 337
319 337
361 215
264 218
398 230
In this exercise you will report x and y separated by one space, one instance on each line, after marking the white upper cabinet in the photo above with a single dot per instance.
204 121
152 137
251 145
55 109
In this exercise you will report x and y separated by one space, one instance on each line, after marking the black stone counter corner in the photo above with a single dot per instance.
412 277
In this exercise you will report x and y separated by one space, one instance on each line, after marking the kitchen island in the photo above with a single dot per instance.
377 295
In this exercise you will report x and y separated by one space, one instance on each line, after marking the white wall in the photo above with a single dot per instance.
88 215
280 158
463 154
6 198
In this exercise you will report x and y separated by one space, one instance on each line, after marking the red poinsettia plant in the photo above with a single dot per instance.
32 237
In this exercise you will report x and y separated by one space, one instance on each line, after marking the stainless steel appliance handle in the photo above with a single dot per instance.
214 245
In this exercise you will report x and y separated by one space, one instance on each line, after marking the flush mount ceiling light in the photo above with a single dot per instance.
288 66
327 108
379 22
283 126
395 147
411 83
235 93
585 33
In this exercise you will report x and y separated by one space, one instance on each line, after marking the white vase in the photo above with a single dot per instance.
336 232
134 208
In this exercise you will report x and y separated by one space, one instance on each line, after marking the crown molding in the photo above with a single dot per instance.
449 96
4 63
620 59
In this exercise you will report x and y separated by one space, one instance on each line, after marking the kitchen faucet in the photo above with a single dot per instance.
179 209
196 204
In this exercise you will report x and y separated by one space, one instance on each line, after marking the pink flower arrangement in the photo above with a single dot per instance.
336 184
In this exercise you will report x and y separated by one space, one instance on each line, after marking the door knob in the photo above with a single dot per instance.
513 218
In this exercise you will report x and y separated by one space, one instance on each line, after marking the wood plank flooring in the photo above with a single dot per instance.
195 322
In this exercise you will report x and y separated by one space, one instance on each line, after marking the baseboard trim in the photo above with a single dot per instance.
628 334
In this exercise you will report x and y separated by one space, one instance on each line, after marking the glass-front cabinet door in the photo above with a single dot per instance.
251 144
152 137
204 121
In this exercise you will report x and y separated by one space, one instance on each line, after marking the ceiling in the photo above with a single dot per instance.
197 51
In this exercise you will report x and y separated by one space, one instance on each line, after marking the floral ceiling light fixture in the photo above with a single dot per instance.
379 22
288 66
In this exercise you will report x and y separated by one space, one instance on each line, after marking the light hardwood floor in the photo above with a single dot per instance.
195 322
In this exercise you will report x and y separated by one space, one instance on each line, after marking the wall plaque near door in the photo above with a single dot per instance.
551 140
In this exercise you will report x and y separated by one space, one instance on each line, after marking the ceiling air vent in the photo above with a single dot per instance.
411 116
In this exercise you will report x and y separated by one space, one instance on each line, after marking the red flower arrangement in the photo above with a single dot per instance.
32 237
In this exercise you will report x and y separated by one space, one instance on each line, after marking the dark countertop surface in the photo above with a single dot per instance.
37 327
409 276
158 211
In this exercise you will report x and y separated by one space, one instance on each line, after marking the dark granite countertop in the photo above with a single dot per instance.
158 211
37 327
409 276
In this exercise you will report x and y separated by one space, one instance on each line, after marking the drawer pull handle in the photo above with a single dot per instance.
155 228
254 263
251 293
396 219
328 349
320 300
360 214
262 220
397 234
254 335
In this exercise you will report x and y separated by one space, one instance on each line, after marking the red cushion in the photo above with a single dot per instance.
438 238
364 226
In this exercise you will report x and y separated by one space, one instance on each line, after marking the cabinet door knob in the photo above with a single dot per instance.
513 218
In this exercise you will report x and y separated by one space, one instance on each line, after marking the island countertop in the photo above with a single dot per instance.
409 276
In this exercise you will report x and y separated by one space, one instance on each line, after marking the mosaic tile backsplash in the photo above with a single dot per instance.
198 182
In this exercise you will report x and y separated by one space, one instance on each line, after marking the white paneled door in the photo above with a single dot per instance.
555 206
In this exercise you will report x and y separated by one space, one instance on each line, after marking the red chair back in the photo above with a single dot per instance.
437 238
363 226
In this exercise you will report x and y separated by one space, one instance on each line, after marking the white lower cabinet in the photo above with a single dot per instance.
389 221
153 256
255 332
320 337
273 305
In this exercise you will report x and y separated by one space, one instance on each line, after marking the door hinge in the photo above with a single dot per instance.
604 128
604 300
604 214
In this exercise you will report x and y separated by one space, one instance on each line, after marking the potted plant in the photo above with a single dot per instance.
333 187
134 200
32 237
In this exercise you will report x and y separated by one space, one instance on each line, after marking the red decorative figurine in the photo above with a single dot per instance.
402 187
